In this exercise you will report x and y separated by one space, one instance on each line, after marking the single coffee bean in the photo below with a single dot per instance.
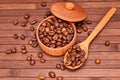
48 13
45 40
23 47
52 74
22 37
68 62
15 22
62 67
72 58
51 33
27 16
24 51
39 55
32 28
14 50
84 28
15 36
41 77
59 78
79 30
89 22
9 51
35 44
47 29
23 24
29 58
78 63
73 64
33 22
107 43
97 61
55 37
43 4
42 60
58 66
89 32
82 60
30 42
32 62
78 55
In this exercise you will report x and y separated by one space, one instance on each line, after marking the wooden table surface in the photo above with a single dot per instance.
15 66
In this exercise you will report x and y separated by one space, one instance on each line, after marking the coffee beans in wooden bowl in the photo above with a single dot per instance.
55 36
74 57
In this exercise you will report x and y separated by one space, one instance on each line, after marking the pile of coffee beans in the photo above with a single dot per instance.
55 33
11 51
75 56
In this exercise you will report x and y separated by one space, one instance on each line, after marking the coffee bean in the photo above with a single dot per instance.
47 29
14 50
42 60
107 43
82 60
15 22
97 61
58 66
41 77
84 28
23 24
35 44
24 51
77 55
22 37
29 58
30 42
51 33
55 37
69 37
89 22
27 16
32 28
72 58
52 46
15 36
79 30
32 62
59 78
78 63
73 64
65 33
52 74
43 4
46 40
39 55
33 22
62 67
68 62
9 51
23 47
48 13
89 32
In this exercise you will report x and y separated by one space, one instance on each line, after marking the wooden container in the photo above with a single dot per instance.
55 51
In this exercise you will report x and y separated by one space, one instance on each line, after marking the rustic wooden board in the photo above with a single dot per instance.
15 66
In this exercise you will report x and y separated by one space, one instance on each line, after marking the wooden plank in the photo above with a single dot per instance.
81 73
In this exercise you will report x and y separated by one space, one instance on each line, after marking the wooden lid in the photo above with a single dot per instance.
68 11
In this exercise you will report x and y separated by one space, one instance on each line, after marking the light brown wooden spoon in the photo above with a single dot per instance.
85 44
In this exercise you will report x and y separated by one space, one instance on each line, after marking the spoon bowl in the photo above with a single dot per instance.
85 44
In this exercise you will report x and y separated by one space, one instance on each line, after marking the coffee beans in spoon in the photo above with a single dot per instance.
55 33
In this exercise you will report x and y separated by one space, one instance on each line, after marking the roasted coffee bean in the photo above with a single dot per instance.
24 51
58 66
23 47
35 44
43 4
9 51
56 24
59 78
68 63
42 60
33 22
89 32
69 37
39 55
32 62
62 67
82 60
22 37
41 77
59 20
84 28
15 36
73 64
30 42
52 74
97 61
47 29
29 58
72 58
78 63
79 30
52 46
15 22
32 28
46 40
23 24
14 50
107 43
48 13
89 22
51 21
27 16
51 33
77 55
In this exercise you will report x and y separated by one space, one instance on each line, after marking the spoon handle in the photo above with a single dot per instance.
100 26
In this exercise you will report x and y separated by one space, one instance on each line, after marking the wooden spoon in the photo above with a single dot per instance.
85 44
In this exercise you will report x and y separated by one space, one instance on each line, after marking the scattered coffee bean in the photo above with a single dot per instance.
43 4
59 78
84 28
15 22
33 22
14 50
9 51
97 61
35 44
15 36
29 58
107 43
32 62
62 67
58 66
42 60
24 51
23 47
40 55
23 24
52 74
30 42
48 13
79 30
22 37
89 32
89 22
41 77
32 29
27 16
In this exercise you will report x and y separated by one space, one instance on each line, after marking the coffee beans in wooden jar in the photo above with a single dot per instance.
75 56
55 33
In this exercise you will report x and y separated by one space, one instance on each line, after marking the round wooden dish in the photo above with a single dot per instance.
55 51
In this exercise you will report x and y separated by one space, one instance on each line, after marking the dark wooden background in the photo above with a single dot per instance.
15 66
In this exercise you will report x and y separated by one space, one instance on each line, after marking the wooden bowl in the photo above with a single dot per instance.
55 51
